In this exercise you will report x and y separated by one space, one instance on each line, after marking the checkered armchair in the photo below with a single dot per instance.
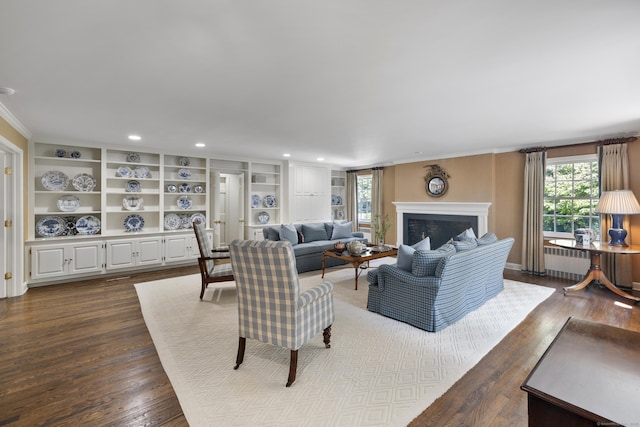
213 269
271 307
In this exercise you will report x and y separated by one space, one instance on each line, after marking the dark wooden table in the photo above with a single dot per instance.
589 375
357 260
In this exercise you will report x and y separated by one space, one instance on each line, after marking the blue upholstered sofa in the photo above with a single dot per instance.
442 285
310 240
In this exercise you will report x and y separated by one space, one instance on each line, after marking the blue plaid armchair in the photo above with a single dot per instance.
271 307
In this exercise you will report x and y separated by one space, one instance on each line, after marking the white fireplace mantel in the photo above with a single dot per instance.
477 209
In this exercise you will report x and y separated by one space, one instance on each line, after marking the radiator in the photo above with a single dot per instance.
566 263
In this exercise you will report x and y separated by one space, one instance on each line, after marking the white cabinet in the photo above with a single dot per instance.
338 194
182 247
265 196
134 252
310 201
56 260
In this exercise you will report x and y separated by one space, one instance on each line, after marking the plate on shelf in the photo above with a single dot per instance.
68 203
263 217
334 199
132 203
124 171
142 172
55 181
184 161
70 223
133 158
340 214
184 188
198 189
198 217
184 173
255 201
172 222
51 226
270 201
338 200
88 225
60 152
185 221
133 223
133 186
184 202
172 188
75 154
83 182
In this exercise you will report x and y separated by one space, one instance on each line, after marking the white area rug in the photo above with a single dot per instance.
378 371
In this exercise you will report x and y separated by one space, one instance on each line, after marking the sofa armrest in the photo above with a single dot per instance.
390 273
358 234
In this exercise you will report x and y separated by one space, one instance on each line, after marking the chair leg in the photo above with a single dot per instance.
240 356
327 337
293 367
204 286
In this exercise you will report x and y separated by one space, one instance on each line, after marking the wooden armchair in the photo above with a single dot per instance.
213 265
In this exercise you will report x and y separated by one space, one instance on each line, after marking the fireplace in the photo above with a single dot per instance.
439 220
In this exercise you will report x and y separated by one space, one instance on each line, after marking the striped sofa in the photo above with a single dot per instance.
441 288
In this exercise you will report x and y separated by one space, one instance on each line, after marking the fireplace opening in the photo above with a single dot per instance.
439 228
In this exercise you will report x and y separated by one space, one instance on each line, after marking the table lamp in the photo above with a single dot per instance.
617 204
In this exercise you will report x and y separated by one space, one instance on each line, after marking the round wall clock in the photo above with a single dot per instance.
436 184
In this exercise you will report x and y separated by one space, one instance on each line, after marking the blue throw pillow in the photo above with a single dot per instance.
487 239
314 232
423 245
465 235
405 257
425 262
465 245
341 231
289 233
271 233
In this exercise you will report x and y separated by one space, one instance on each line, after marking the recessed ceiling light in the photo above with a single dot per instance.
200 144
135 137
320 159
286 155
6 91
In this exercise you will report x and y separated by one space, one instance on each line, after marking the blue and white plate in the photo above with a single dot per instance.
340 214
124 171
198 217
71 226
88 225
184 173
142 172
270 201
83 182
75 154
133 203
184 188
339 200
133 186
133 158
198 189
60 152
172 222
68 203
184 202
185 221
334 199
184 161
51 226
133 223
55 181
263 217
255 201
172 188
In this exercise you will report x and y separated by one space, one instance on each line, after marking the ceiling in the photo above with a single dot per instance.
359 83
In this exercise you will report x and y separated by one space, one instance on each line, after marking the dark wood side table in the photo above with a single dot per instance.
589 375
357 260
595 271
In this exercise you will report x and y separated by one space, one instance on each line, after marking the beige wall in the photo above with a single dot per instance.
7 131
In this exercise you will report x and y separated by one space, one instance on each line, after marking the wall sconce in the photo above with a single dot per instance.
617 204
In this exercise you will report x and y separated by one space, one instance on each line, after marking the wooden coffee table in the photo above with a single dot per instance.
359 262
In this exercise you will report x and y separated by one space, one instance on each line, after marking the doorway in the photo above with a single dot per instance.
227 206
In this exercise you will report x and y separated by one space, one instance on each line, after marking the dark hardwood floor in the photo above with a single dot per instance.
80 354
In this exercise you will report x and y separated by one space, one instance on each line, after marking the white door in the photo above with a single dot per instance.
175 248
85 258
217 208
120 254
48 261
234 218
149 251
3 218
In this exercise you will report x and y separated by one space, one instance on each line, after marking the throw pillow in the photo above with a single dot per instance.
464 245
300 237
423 245
341 231
314 232
271 233
487 239
466 234
289 233
405 257
424 263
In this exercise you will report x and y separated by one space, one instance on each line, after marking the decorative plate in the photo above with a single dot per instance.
70 222
185 221
184 202
198 189
132 203
340 214
124 171
60 152
55 181
83 182
198 217
75 154
263 217
172 188
334 199
184 188
172 222
88 225
184 161
133 158
133 186
68 203
184 173
338 200
255 201
133 223
270 201
51 226
142 172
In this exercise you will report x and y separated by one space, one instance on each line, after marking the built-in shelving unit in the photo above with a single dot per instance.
338 194
265 197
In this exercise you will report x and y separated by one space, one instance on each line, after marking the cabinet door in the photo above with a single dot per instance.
176 248
120 254
85 258
149 251
48 261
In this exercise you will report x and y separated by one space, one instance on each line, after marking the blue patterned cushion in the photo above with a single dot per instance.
465 245
405 257
424 263
423 245
313 232
465 235
341 231
271 233
487 239
289 233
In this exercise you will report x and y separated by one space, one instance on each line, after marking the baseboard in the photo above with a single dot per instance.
512 266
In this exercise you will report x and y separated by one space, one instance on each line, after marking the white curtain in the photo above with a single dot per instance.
377 207
352 198
532 224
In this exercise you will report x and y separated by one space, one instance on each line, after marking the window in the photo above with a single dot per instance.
364 199
571 193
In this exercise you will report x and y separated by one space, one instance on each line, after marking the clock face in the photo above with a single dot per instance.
436 186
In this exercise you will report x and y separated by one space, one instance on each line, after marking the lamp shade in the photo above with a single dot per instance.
618 202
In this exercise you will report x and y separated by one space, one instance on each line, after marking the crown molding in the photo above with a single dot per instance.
14 122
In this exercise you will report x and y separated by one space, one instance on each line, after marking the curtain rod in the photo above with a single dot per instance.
609 141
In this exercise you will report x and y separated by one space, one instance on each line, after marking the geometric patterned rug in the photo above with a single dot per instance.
378 371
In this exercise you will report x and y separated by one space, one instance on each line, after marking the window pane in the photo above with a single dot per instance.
364 198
